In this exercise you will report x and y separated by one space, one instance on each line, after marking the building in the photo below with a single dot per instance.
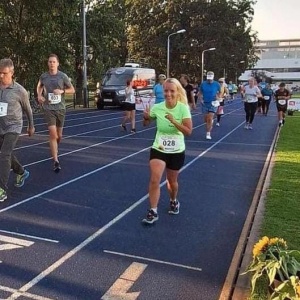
278 59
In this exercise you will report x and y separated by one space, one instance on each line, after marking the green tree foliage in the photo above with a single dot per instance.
223 24
132 29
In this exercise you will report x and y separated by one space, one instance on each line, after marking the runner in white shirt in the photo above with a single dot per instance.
250 92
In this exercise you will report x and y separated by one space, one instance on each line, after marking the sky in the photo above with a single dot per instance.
277 19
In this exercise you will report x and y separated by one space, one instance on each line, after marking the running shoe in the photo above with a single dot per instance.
151 217
208 136
56 167
123 127
250 127
174 207
3 195
246 126
283 121
133 130
20 179
218 124
280 123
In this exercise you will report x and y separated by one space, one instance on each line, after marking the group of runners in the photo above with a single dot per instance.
14 101
172 113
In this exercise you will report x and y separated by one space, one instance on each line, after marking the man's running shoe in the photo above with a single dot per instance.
151 217
208 136
280 123
56 167
133 130
3 195
20 179
174 207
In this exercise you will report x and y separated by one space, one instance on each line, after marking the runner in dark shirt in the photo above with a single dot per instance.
282 95
189 89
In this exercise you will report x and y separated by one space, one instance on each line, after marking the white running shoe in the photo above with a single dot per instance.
208 136
218 124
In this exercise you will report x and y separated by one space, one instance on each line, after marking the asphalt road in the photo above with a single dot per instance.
78 234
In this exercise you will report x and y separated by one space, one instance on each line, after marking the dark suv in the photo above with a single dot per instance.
112 90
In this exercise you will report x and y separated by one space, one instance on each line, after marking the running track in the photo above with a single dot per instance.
78 234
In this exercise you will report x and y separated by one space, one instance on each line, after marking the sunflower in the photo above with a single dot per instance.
281 243
261 246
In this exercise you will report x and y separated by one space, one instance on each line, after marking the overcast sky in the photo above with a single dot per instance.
277 19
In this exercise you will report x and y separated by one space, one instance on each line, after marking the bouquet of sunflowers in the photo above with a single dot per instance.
273 260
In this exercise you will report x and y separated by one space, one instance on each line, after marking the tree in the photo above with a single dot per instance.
217 23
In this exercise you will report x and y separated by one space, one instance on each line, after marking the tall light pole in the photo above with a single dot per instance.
85 91
202 61
168 49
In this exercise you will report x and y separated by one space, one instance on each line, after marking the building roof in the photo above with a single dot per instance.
288 76
286 63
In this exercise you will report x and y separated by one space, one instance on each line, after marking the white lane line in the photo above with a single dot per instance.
119 290
92 237
153 260
81 124
30 236
74 135
72 180
27 295
80 149
15 241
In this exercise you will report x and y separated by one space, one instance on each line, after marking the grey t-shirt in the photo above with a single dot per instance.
251 94
13 102
51 82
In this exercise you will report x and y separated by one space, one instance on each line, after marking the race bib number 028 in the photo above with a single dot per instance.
54 99
3 109
169 143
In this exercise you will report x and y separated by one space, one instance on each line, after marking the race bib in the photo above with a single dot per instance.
54 99
3 109
282 102
169 143
267 97
250 98
215 103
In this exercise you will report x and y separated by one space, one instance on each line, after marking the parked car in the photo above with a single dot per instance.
111 92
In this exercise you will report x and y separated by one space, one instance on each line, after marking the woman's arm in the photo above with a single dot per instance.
186 127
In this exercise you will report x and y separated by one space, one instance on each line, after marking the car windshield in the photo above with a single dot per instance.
116 79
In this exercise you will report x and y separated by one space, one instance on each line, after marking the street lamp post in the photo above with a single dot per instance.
202 61
168 49
84 47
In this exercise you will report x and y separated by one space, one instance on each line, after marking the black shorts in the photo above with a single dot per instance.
174 161
129 106
282 108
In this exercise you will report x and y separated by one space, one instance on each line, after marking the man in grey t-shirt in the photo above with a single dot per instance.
13 101
51 88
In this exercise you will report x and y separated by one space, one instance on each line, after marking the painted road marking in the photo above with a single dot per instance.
153 260
118 291
95 235
14 241
30 236
27 295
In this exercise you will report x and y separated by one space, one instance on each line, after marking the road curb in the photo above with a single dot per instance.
236 287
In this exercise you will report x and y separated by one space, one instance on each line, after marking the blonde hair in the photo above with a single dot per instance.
181 91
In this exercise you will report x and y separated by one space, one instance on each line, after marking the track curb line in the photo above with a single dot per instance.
237 287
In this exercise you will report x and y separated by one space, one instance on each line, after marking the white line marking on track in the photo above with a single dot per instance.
95 235
15 241
118 291
27 295
153 260
29 236
72 180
